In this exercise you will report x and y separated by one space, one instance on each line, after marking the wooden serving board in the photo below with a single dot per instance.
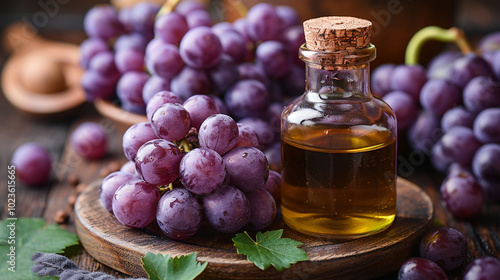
122 247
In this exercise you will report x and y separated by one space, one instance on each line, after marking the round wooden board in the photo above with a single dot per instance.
122 247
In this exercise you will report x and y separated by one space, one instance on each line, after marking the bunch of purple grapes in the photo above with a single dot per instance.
189 164
450 112
250 67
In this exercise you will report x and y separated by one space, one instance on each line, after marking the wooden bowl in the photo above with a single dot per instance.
121 118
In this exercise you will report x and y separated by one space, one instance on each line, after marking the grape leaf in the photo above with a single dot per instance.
31 235
270 249
160 267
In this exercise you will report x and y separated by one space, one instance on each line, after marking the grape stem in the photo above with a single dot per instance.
453 34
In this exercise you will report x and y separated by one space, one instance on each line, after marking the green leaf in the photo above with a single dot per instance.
270 249
160 267
31 235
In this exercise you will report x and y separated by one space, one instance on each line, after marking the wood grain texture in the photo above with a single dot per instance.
121 247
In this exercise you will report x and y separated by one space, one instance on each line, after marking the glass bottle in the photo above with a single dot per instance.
338 140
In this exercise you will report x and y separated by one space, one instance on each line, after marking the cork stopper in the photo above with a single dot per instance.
336 33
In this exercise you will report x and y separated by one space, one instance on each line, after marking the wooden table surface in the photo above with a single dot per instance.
17 128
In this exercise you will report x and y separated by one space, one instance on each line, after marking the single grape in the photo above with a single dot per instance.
483 268
224 74
273 155
152 46
481 93
102 21
438 96
420 269
171 27
164 60
129 60
264 131
404 106
486 128
179 214
130 86
288 15
409 78
381 79
90 47
198 18
200 107
486 162
247 98
424 132
110 184
248 70
460 144
128 167
246 137
133 40
439 160
273 185
233 44
190 81
142 17
158 99
171 121
218 132
263 22
202 170
273 57
227 209
200 48
457 116
489 42
466 67
157 162
32 163
89 140
445 246
246 168
134 203
104 64
97 86
154 85
262 209
495 64
462 195
134 137
440 66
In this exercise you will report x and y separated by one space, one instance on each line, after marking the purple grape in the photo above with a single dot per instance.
157 162
445 246
440 66
133 40
128 167
134 137
490 42
460 144
142 17
483 268
190 81
425 132
187 6
264 131
262 209
202 170
125 17
438 96
90 47
273 57
227 209
109 186
404 106
486 128
246 137
249 70
222 27
288 16
233 44
134 203
32 163
294 83
220 105
154 85
273 155
247 98
467 67
171 121
246 168
218 132
263 22
164 61
102 21
495 64
439 160
462 195
179 214
89 140
129 60
152 46
224 74
139 109
130 86
200 107
104 64
273 185
486 163
381 79
457 116
200 48
481 93
420 269
198 18
171 27
293 38
97 86
409 78
159 99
